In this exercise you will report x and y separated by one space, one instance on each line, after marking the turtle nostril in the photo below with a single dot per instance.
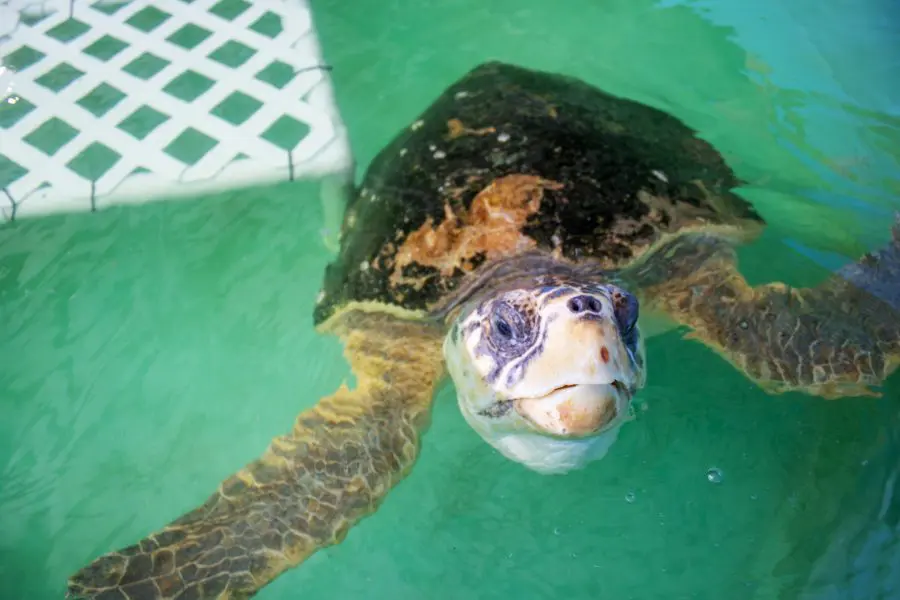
584 303
576 305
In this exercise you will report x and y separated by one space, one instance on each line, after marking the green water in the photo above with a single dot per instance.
148 352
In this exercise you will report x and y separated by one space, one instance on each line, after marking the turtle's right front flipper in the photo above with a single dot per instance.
334 468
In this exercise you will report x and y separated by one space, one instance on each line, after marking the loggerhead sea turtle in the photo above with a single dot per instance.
507 237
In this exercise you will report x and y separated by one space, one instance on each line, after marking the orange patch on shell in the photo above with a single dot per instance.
455 129
492 226
604 354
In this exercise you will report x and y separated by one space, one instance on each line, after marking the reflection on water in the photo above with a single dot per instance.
149 352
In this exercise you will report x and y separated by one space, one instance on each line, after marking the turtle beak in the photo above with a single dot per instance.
574 411
583 381
577 353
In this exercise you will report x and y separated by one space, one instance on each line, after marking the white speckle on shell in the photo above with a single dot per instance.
556 240
402 151
432 147
364 265
660 175
351 219
439 154
415 126
320 296
461 95
503 138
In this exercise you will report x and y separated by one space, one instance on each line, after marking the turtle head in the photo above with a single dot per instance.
546 373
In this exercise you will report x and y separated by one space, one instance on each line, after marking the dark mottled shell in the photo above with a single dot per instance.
574 170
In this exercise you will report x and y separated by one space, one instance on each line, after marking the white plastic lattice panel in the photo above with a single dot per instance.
105 103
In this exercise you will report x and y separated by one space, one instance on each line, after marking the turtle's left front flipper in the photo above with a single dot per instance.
840 338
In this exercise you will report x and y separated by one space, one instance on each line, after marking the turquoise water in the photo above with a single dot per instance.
148 352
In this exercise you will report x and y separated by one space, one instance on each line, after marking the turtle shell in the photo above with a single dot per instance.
509 160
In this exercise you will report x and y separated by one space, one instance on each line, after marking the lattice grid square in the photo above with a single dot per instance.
117 102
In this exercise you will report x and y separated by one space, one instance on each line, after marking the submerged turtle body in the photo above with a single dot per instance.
508 160
508 238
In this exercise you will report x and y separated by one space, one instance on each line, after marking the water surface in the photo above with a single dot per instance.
149 352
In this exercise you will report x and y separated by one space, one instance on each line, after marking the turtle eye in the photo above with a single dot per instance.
626 309
502 328
508 327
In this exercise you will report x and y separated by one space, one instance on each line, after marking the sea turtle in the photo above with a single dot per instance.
508 237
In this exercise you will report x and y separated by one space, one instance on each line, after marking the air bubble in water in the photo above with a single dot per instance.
714 475
630 497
